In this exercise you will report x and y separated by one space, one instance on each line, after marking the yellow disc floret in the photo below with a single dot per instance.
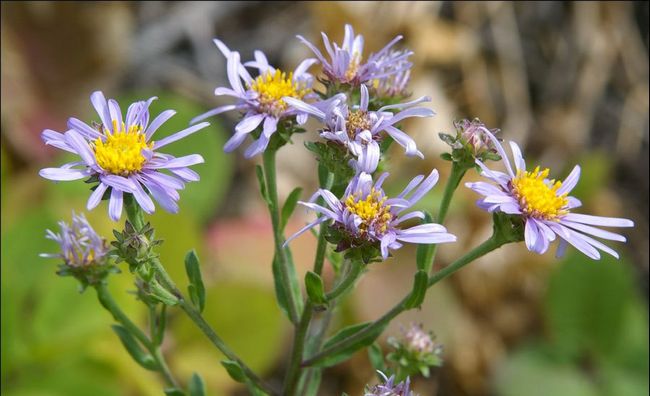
539 198
272 87
353 67
120 152
372 211
357 121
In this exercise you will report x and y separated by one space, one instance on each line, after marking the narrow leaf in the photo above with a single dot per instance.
424 253
161 294
289 207
196 386
419 290
376 357
173 392
161 322
314 287
134 349
260 179
196 288
345 353
234 370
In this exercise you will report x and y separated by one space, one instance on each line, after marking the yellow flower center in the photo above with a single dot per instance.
121 152
372 211
357 121
272 87
538 198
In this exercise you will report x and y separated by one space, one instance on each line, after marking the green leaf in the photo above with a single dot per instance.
196 386
376 357
345 353
161 294
419 290
446 157
314 287
424 253
161 322
280 292
260 179
174 392
134 349
289 206
234 370
196 288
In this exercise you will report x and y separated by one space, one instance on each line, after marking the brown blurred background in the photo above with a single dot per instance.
567 81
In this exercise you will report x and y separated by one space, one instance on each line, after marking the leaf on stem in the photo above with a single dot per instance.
196 289
289 207
315 288
134 349
196 386
348 351
260 179
419 290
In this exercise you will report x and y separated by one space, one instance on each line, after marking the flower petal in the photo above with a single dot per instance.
158 121
96 196
179 135
59 174
115 204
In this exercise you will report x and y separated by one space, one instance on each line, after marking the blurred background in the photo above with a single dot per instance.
568 81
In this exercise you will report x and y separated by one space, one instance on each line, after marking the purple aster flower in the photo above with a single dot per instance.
544 205
359 129
80 245
260 99
390 388
394 83
122 156
346 62
365 215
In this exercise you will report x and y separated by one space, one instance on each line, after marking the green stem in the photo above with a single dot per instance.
111 306
491 244
293 374
456 175
272 192
354 270
134 213
201 323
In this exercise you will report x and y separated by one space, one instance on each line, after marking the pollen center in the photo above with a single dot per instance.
374 213
353 67
357 121
537 197
120 153
272 87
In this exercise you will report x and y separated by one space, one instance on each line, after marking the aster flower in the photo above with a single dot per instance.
393 84
544 205
345 64
121 155
364 215
260 99
415 351
83 251
360 130
390 388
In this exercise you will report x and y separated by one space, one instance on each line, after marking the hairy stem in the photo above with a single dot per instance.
272 195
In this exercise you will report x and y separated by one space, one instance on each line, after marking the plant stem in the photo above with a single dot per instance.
293 374
134 213
107 301
207 330
491 244
272 195
354 270
457 173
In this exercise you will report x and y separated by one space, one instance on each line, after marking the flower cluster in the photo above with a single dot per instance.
390 387
415 351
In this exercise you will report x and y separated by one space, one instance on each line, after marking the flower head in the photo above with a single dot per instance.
121 155
395 77
359 130
365 216
544 205
346 64
415 351
261 99
390 388
83 251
